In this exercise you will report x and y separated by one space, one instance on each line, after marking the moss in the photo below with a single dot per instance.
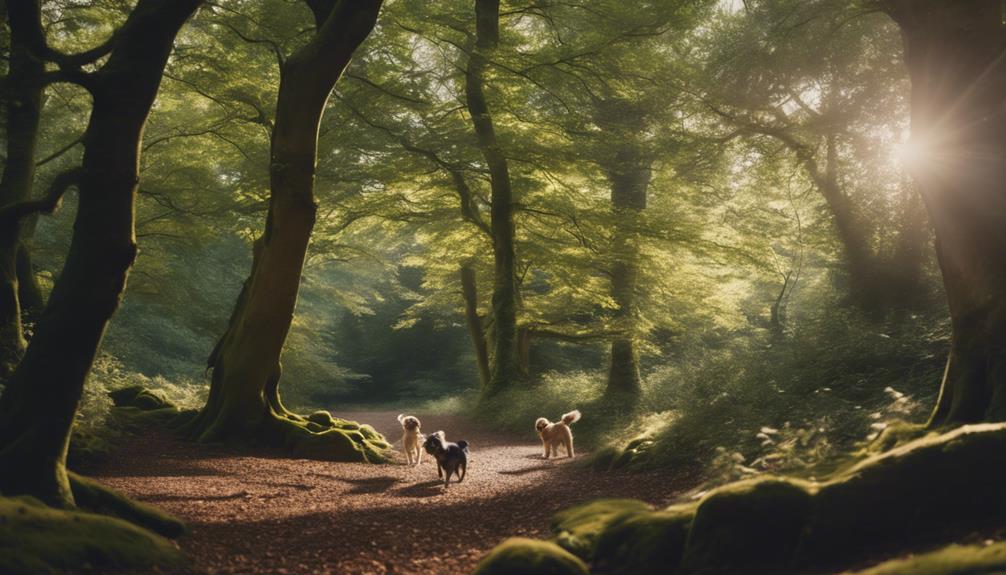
322 418
915 492
519 556
332 444
755 525
952 560
139 397
37 539
921 489
134 419
578 528
895 434
645 543
96 498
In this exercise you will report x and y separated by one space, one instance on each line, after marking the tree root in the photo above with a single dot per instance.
340 441
37 539
925 489
96 498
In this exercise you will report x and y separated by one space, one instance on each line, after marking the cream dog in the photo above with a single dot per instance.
412 438
554 434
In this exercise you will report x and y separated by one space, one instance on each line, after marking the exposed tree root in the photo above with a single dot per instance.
96 498
929 488
952 560
37 539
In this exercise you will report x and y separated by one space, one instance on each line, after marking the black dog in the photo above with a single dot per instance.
451 457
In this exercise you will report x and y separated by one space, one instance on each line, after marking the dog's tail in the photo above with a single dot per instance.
463 445
571 417
401 416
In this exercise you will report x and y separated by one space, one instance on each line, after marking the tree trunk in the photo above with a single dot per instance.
244 401
469 291
38 407
630 178
506 369
954 53
24 108
28 289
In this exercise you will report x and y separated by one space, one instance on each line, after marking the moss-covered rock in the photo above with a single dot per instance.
139 397
578 528
334 444
754 525
645 543
952 560
519 556
36 539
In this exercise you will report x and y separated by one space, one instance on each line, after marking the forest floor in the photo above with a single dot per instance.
266 513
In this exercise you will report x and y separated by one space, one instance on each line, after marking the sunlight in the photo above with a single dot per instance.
912 154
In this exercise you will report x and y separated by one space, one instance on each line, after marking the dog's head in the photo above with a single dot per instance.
540 424
409 422
434 443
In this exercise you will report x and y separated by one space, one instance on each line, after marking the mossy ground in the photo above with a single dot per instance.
928 488
519 556
36 539
952 560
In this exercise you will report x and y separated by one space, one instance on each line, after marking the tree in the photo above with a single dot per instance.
23 108
507 369
40 400
824 110
954 54
244 399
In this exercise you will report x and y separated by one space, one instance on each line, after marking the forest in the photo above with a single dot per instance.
656 287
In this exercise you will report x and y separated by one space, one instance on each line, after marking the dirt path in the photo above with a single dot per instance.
269 514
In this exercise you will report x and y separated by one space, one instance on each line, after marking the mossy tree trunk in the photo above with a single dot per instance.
506 369
954 53
40 401
23 110
630 177
244 401
627 166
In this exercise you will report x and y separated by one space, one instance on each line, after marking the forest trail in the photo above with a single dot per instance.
262 513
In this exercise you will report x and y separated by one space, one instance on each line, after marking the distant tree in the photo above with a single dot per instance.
954 54
39 403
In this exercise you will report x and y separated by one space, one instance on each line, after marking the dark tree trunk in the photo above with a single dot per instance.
40 401
506 366
469 291
28 289
23 111
244 401
954 52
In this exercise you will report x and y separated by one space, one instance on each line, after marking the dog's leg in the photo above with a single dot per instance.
464 471
569 446
447 478
419 455
545 445
440 473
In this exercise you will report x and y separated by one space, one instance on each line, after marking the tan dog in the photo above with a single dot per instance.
554 434
412 438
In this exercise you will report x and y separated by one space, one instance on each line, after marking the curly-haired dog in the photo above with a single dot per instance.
452 458
554 434
412 438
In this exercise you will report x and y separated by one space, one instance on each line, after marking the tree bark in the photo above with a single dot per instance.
469 291
38 406
954 53
23 113
244 401
630 178
506 365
